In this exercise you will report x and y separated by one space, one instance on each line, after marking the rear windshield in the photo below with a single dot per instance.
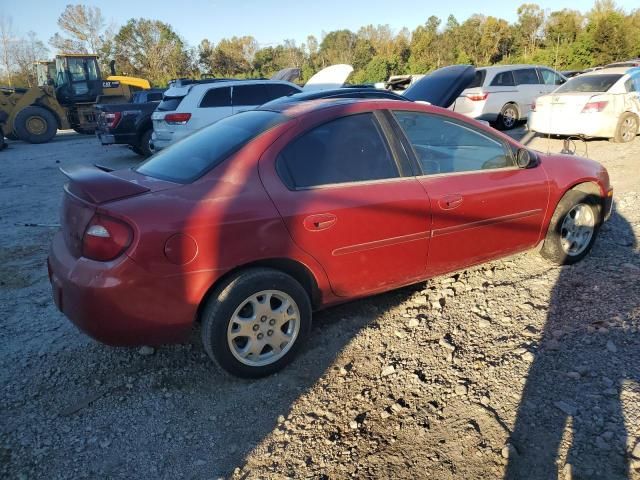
190 158
479 79
589 83
169 104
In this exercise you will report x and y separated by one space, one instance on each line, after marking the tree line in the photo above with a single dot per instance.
564 39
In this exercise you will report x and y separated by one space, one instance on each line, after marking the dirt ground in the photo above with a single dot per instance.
516 369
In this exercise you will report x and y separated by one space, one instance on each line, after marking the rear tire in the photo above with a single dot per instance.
245 329
143 147
627 128
35 125
573 228
508 117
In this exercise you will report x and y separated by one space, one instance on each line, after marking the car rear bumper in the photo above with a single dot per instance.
117 138
580 124
118 303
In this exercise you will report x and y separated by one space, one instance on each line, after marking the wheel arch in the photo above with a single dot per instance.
300 272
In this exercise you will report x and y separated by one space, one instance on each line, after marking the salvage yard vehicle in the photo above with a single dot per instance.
252 223
129 123
604 103
64 98
502 95
189 105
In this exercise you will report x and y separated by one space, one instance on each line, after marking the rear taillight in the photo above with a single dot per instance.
477 97
111 119
593 107
533 106
177 118
105 238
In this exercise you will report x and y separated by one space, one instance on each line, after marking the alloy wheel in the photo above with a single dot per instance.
629 128
577 229
263 328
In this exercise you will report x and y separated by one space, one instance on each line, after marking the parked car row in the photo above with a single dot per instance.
250 224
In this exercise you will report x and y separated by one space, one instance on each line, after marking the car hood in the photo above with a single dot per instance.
287 74
441 87
329 78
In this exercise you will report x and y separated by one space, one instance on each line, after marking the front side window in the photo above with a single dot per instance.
349 149
526 76
550 78
445 146
277 90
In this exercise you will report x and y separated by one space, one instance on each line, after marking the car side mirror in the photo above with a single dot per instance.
524 158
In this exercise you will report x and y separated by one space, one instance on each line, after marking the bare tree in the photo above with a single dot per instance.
7 46
28 51
83 28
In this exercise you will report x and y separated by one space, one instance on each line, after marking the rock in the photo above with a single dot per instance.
146 350
484 400
388 370
509 451
200 462
413 323
566 407
574 375
602 444
484 323
528 356
635 453
568 471
631 266
353 424
444 343
612 347
460 390
384 414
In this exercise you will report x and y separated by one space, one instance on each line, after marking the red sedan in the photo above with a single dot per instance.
252 223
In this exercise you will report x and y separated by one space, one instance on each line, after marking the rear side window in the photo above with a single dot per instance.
216 97
190 158
244 95
503 79
478 79
278 90
526 76
154 96
169 104
349 149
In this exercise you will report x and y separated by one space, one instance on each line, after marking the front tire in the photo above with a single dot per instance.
35 125
255 323
508 117
573 228
627 128
143 149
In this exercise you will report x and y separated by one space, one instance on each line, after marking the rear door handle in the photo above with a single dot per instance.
320 221
450 202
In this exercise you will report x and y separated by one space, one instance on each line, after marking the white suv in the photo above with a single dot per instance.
189 105
503 94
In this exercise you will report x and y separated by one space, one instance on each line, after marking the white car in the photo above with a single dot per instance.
189 105
503 94
604 103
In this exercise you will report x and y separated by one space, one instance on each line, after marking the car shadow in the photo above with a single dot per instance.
586 361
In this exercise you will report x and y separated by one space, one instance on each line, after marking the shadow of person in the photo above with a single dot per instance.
571 421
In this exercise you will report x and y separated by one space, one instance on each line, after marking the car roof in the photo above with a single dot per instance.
298 108
495 68
610 71
345 92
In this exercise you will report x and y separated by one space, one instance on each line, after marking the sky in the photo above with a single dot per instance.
269 21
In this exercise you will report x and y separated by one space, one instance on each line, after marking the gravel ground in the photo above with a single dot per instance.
515 369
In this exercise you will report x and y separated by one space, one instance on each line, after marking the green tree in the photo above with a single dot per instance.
151 49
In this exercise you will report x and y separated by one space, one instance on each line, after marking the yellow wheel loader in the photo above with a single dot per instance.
65 98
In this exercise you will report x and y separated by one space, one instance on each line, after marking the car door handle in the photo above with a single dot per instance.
449 202
320 221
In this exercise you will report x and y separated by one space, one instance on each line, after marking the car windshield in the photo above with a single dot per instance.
190 158
589 83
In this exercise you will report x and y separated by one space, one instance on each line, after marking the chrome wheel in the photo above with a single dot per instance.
629 128
509 117
263 328
577 229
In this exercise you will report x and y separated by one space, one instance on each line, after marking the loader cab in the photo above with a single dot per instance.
77 78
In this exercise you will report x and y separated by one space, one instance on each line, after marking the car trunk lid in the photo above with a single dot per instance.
88 188
329 78
443 86
566 102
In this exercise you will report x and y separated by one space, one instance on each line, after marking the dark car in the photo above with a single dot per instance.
129 123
